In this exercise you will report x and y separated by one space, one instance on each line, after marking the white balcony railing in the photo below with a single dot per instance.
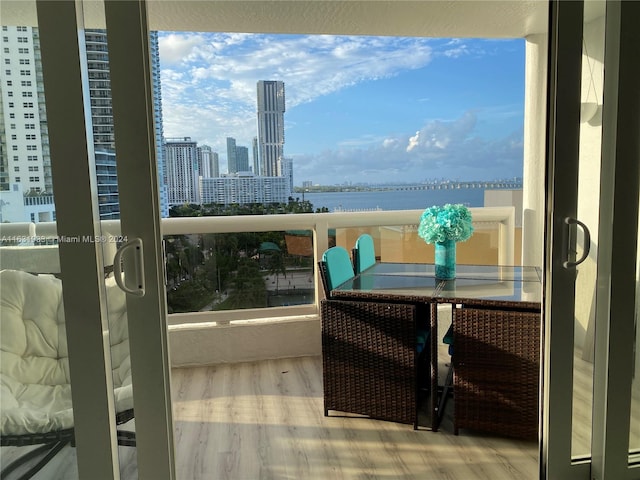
318 223
201 338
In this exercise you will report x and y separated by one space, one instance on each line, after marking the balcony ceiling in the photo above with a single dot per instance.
434 18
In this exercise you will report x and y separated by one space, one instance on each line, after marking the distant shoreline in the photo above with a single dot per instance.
515 184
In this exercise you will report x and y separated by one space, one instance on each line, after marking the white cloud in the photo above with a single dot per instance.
413 141
213 77
440 149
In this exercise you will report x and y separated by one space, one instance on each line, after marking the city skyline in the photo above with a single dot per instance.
359 109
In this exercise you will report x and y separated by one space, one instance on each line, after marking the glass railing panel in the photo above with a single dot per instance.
401 243
232 271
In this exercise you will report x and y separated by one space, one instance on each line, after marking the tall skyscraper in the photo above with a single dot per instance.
182 170
204 160
157 119
271 108
256 156
287 172
215 165
242 158
232 161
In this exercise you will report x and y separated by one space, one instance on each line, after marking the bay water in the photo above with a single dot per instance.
393 199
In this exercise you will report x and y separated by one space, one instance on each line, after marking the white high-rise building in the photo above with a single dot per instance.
182 170
244 188
271 108
204 154
24 138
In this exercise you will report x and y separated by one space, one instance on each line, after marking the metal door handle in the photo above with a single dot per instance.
136 244
587 243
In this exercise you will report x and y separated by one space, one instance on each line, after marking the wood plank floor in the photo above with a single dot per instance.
265 420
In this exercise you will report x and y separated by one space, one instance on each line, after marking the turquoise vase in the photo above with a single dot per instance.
446 260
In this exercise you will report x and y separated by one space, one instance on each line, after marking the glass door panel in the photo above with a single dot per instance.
588 200
95 59
138 263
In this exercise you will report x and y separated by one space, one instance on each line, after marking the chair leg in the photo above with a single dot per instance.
52 450
448 386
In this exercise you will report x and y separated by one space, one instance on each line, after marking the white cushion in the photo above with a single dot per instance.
35 390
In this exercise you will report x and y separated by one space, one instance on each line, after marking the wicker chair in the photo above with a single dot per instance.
34 372
496 361
369 359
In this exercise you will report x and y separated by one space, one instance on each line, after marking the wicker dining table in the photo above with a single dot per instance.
496 318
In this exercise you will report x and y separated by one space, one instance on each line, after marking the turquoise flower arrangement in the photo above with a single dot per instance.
448 222
445 226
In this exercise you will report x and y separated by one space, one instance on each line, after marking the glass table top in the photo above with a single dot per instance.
473 282
462 271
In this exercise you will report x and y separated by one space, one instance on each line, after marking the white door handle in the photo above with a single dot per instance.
138 270
587 243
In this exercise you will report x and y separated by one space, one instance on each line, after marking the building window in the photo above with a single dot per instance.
32 158
12 126
27 94
14 136
33 168
25 61
16 169
9 83
10 104
15 158
27 104
14 147
6 49
25 83
30 136
28 115
5 39
23 50
12 115
30 126
32 147
17 179
21 29
7 72
7 61
9 94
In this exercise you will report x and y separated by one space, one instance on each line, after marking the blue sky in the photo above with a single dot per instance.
358 109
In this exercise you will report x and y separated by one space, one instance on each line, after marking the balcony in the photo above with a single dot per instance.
250 334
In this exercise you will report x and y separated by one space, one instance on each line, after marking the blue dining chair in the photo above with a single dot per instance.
335 268
364 254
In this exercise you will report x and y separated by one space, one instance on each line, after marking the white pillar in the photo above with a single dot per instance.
535 107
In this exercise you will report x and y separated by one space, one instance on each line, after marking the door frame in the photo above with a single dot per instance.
616 281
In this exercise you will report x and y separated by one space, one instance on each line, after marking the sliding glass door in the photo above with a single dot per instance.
590 414
99 101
